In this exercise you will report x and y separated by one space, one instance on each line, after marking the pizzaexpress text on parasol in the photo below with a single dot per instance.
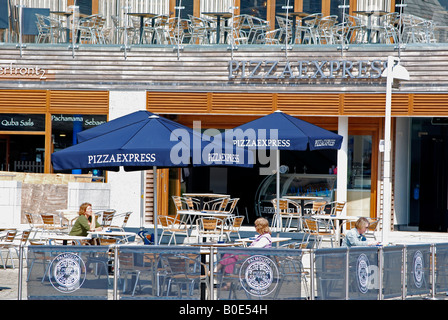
121 158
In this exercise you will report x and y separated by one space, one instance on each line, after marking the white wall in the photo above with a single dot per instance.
98 194
10 203
342 162
401 182
125 194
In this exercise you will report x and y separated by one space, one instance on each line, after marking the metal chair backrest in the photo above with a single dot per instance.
338 208
318 207
284 206
108 216
25 236
48 219
126 218
190 203
10 235
311 225
233 203
237 222
29 219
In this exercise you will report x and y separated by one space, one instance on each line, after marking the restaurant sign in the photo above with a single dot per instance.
28 72
22 122
305 70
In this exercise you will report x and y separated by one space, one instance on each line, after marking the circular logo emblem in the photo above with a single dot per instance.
418 269
362 272
259 275
66 272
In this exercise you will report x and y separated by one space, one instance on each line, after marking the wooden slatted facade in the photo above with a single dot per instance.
300 104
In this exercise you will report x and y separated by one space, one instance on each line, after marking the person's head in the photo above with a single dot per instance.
85 209
362 224
262 226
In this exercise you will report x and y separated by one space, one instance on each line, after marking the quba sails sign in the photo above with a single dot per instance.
303 70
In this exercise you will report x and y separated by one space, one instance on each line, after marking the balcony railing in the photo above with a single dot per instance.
45 26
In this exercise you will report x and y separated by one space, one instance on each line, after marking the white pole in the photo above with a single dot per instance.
342 164
277 212
156 240
387 194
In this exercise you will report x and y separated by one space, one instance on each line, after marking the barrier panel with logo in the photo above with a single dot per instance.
251 273
68 272
418 269
363 276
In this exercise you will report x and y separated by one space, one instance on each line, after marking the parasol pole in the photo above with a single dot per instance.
156 236
277 211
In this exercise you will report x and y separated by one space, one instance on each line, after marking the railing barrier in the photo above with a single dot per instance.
121 272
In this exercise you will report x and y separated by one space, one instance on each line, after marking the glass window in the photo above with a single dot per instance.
312 6
336 11
187 10
22 153
359 174
256 8
66 126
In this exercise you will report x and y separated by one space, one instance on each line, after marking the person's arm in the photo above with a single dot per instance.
94 225
354 239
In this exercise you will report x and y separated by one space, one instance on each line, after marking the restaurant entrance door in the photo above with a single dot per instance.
433 184
429 175
4 152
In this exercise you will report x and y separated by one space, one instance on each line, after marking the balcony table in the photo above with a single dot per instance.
218 16
369 14
143 15
294 23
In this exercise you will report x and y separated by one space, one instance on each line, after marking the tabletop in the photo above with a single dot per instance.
273 239
113 233
295 14
65 237
143 14
62 13
220 14
371 12
303 197
208 213
214 244
206 195
334 217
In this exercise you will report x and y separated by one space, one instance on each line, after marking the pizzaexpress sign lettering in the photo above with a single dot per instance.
312 69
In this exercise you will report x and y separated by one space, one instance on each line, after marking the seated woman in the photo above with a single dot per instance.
86 221
263 240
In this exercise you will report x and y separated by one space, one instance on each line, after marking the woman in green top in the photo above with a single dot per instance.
86 221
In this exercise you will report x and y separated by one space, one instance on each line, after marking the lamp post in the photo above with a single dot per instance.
393 73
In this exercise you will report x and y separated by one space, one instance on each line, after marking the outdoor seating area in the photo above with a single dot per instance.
226 28
202 217
118 264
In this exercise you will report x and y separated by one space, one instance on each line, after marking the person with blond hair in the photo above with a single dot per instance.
355 236
264 239
86 221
